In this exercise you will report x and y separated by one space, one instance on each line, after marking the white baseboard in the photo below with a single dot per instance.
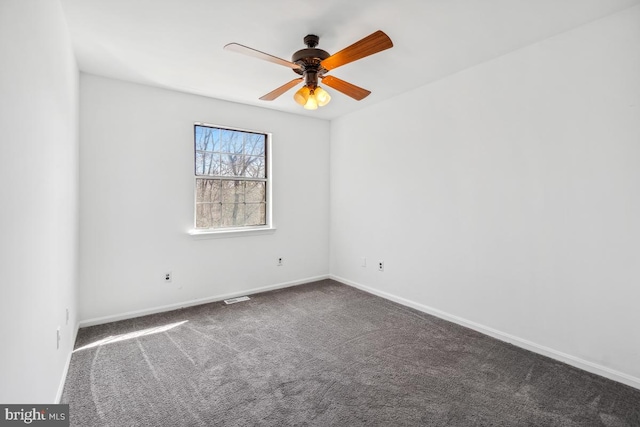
63 380
176 306
594 368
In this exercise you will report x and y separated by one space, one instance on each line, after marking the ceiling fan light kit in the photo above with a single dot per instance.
311 99
313 63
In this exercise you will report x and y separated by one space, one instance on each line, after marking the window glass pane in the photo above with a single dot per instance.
237 143
200 168
232 214
207 190
254 192
255 214
254 167
207 163
207 139
208 215
232 191
215 164
225 137
254 144
231 165
231 141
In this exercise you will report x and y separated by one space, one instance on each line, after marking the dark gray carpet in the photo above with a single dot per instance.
325 354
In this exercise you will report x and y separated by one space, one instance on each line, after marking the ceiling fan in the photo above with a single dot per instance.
313 64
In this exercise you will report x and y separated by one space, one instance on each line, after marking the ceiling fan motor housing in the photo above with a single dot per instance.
309 60
309 55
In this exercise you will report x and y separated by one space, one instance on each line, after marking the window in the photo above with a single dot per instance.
231 178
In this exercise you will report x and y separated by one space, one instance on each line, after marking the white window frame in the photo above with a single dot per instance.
269 227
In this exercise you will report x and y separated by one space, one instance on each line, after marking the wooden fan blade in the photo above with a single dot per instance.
235 47
282 89
374 43
347 88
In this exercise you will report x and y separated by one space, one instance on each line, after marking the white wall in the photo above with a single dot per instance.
507 195
39 191
137 201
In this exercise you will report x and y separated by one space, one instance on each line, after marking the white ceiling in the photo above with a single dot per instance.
178 44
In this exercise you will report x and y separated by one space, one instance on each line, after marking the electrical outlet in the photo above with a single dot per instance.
280 262
168 277
380 265
58 338
363 262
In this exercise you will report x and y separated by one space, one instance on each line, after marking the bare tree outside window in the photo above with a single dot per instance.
231 178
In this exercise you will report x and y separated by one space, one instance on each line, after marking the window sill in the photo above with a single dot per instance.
232 232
